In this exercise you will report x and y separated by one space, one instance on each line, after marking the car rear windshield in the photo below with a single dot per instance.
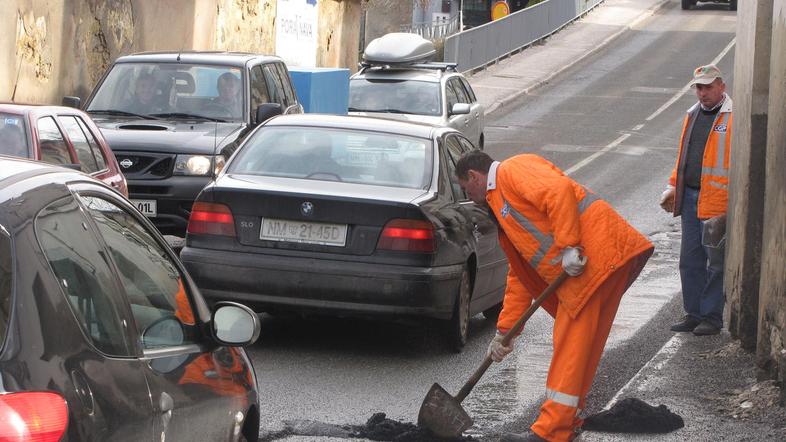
394 96
170 90
362 157
5 280
13 138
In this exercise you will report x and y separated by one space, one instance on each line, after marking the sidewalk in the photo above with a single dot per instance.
711 382
502 83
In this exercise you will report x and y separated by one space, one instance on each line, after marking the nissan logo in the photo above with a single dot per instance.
126 163
307 208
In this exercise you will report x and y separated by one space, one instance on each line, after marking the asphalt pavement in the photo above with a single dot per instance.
709 381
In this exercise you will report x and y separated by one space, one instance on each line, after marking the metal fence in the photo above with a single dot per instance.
434 31
478 47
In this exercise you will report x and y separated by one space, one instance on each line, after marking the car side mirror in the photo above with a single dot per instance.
74 102
460 109
234 324
267 111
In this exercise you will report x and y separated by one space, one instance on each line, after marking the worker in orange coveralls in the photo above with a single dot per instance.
549 223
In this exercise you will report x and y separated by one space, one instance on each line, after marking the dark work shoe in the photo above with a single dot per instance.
525 437
706 328
687 324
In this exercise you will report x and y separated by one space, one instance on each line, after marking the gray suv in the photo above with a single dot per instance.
397 81
173 119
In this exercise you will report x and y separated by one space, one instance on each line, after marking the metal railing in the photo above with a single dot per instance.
434 31
480 46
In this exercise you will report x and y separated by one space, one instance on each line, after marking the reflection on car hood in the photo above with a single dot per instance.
428 119
204 137
319 187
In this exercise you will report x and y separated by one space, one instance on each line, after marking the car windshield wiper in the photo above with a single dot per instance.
185 115
119 112
390 111
355 109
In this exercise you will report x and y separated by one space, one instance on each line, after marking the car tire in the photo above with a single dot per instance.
732 5
493 312
686 4
458 326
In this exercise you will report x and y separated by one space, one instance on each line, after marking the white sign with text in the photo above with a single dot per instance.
296 32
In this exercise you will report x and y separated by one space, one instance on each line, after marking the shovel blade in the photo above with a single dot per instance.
442 414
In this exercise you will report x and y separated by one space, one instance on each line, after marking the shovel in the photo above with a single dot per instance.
442 413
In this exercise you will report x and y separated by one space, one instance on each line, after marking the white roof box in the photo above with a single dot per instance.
398 48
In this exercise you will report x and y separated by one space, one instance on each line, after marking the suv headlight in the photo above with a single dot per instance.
198 165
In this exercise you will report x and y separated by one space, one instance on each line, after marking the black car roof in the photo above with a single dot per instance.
200 57
353 122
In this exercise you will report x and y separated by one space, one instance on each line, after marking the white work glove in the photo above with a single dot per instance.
496 350
667 199
572 261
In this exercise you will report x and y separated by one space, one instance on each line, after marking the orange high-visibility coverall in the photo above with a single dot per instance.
540 212
714 191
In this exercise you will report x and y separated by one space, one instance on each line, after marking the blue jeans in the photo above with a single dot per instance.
701 268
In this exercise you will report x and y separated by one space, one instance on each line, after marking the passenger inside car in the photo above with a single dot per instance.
12 141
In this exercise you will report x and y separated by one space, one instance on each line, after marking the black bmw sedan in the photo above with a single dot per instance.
104 335
347 216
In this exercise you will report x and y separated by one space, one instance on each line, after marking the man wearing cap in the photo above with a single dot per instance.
698 192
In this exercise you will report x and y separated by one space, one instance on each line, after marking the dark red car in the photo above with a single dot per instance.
59 135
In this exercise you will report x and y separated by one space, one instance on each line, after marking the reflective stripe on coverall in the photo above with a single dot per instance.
540 212
714 193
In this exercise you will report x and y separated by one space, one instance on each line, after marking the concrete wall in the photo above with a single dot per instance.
771 351
746 200
52 48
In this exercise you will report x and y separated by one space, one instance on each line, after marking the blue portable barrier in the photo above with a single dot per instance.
322 90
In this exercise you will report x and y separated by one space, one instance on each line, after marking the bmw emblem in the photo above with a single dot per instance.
126 163
307 208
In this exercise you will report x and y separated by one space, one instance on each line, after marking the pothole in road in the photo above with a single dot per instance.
378 428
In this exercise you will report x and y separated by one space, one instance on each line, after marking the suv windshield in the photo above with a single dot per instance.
169 90
13 140
395 96
337 155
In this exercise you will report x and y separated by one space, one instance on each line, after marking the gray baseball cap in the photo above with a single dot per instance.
705 74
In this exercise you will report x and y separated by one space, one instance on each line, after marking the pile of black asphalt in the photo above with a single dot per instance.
631 415
378 427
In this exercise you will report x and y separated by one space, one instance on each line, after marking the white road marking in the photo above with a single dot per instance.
638 127
590 158
671 101
685 89
658 361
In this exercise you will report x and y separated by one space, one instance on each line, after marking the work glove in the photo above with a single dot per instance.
572 261
714 231
667 199
496 350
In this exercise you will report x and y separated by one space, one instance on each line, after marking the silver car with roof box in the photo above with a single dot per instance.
398 81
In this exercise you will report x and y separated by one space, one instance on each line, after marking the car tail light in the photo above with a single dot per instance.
407 235
32 416
211 219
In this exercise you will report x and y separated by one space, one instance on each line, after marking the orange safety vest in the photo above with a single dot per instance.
542 211
714 192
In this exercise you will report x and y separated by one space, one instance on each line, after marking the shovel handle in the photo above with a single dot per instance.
515 330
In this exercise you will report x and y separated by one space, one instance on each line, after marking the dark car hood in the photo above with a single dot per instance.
318 187
179 137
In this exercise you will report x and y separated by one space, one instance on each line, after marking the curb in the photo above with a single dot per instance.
513 97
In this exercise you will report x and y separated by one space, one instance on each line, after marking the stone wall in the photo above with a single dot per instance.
772 325
61 47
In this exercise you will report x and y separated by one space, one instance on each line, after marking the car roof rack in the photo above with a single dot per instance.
433 65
